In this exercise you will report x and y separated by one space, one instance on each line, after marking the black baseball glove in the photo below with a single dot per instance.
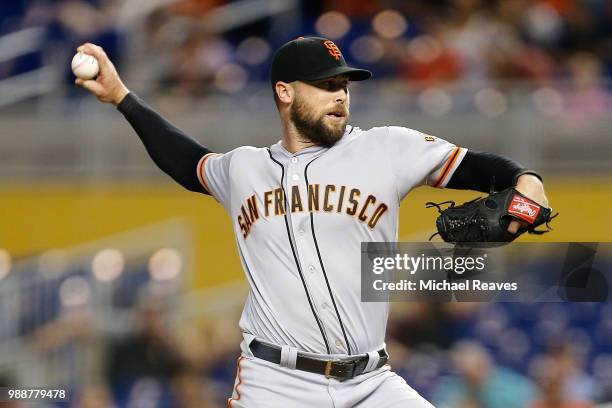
486 219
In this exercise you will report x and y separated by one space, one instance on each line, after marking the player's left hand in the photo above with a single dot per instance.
530 186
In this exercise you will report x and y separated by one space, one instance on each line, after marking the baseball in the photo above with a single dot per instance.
85 66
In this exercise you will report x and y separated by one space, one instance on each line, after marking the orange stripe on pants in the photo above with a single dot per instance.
239 372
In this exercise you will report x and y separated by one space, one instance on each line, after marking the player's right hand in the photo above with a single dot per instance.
107 86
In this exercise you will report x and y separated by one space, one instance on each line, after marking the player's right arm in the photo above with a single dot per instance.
171 149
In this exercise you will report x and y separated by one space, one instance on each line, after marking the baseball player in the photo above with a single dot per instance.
300 209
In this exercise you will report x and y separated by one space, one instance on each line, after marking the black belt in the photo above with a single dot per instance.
339 369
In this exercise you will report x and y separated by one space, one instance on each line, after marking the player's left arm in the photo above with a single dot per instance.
420 159
486 171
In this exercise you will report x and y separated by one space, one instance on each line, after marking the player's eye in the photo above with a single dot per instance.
335 86
332 85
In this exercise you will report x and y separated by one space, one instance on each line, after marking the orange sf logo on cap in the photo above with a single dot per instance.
333 49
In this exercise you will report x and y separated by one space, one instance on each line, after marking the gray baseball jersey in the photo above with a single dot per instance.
299 220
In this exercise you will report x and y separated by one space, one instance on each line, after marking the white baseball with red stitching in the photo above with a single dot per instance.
85 66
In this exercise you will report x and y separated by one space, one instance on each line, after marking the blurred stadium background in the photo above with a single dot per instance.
122 287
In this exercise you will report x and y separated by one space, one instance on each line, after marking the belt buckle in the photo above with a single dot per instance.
329 366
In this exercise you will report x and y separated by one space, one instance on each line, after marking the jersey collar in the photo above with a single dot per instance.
278 150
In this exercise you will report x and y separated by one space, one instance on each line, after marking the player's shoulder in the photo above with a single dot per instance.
250 150
356 133
390 133
245 152
238 157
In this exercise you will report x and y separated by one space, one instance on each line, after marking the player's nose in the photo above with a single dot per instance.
340 96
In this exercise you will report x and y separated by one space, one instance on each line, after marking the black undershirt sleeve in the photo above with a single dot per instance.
171 149
486 171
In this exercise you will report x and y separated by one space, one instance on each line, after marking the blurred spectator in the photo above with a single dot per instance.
144 362
77 22
419 323
587 99
192 391
563 383
437 324
359 10
542 24
428 60
196 62
580 28
95 396
68 326
211 348
478 383
64 25
469 31
193 8
441 42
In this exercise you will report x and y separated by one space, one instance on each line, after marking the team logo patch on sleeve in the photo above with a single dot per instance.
524 209
429 138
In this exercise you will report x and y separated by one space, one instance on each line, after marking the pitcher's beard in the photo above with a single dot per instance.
315 129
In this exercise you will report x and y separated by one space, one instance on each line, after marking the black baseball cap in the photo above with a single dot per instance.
310 59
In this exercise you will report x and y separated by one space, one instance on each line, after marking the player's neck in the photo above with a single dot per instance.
293 141
293 146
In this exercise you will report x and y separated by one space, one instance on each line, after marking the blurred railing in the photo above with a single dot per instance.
551 129
36 82
59 307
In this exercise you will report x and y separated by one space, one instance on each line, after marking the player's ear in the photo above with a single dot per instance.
284 92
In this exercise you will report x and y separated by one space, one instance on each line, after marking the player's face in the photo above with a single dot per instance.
320 110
